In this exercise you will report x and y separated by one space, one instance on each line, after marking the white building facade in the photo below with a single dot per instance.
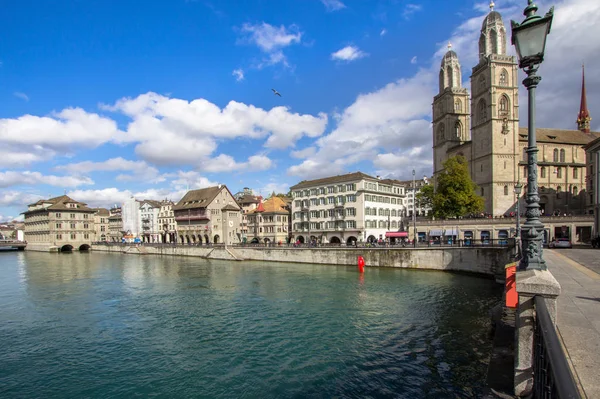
130 214
347 209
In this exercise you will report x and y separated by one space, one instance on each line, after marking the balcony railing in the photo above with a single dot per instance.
185 218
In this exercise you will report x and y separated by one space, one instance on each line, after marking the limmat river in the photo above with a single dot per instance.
93 325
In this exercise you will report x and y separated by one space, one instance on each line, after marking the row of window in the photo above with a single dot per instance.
382 212
339 224
339 200
58 215
271 229
558 171
267 219
384 200
557 155
73 226
325 190
327 213
73 236
381 224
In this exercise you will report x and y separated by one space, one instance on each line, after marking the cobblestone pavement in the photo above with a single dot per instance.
586 256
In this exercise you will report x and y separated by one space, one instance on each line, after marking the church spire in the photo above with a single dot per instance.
583 119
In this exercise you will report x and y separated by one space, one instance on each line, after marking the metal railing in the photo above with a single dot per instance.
552 377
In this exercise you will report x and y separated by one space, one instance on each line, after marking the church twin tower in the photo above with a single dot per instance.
482 127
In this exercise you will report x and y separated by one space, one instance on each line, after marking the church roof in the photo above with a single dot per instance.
559 136
492 18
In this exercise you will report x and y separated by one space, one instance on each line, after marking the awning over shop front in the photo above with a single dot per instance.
396 234
451 232
435 233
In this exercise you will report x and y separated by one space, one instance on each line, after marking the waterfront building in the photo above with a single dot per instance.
115 225
483 126
59 224
349 208
208 215
166 222
149 211
269 222
412 203
248 202
132 220
101 224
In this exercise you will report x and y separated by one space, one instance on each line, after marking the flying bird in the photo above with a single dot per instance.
276 92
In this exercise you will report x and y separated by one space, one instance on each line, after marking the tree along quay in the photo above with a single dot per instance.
488 260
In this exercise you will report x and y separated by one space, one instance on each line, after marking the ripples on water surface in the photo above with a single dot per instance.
109 325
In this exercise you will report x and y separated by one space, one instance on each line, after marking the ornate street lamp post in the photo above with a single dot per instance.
518 189
529 39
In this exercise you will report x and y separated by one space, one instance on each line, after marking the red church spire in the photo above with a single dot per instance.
583 119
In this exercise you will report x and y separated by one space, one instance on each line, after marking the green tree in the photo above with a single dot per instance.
455 194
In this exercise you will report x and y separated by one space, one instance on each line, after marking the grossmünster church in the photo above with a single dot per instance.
483 126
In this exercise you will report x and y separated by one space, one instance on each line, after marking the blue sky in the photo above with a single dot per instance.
104 99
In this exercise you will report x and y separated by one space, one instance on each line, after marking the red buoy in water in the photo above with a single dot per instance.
361 264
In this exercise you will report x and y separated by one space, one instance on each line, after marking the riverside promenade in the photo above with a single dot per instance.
578 311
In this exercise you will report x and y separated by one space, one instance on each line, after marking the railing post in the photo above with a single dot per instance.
530 283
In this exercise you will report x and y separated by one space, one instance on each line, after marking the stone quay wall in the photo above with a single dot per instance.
481 260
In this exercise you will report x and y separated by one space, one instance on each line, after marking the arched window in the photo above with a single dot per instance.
543 171
503 78
575 190
503 106
458 130
450 76
559 173
441 80
562 155
482 111
555 155
457 105
505 190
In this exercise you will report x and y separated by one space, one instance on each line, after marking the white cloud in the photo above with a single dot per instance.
61 132
383 32
413 60
410 9
304 153
21 95
348 53
333 5
225 163
13 178
174 131
17 199
271 40
239 74
137 170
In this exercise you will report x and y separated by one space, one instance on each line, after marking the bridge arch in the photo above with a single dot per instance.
66 248
351 241
84 247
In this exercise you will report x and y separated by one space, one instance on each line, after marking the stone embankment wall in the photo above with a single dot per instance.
481 260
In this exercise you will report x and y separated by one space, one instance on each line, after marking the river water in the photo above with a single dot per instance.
121 326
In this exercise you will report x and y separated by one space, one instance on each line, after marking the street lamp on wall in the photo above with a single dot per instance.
529 39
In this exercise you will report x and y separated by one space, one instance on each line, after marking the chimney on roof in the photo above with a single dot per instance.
378 177
583 118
